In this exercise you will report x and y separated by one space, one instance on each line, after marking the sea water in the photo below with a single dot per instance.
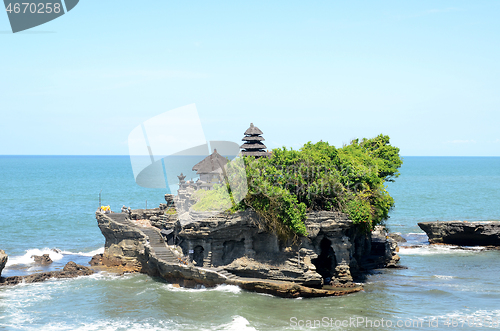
47 205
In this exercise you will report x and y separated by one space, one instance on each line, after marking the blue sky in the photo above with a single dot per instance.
426 73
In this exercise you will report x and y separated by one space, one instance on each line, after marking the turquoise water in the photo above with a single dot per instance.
49 202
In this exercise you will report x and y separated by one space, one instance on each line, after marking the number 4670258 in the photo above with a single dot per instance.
33 8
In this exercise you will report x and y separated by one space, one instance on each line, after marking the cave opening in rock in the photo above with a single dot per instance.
233 250
198 255
325 262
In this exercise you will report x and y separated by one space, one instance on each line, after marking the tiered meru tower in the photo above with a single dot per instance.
253 145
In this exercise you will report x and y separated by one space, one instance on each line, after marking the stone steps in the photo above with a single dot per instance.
208 260
162 252
225 273
157 242
119 217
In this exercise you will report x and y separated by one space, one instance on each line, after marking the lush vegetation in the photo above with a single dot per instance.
213 200
318 176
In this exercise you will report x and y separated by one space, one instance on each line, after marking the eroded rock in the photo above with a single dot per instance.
43 259
397 237
3 260
70 270
463 233
213 248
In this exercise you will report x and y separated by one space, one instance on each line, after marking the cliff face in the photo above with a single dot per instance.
3 260
125 246
463 233
211 249
135 247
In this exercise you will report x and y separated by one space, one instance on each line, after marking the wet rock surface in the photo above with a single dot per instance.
43 259
3 260
71 270
463 233
397 237
209 249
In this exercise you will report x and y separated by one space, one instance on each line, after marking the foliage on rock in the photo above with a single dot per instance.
318 176
215 199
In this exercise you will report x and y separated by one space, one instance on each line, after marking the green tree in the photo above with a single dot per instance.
319 176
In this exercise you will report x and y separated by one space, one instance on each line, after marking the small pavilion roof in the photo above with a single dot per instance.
212 163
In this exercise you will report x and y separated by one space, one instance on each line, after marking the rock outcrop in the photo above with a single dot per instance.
384 249
463 233
397 237
42 259
71 270
3 260
210 249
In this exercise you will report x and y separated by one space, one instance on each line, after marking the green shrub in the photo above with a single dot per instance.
316 177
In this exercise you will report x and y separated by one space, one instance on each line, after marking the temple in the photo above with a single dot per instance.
253 145
210 168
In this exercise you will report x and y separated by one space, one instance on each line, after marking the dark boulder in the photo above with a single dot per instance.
397 237
3 260
71 270
43 260
463 233
96 260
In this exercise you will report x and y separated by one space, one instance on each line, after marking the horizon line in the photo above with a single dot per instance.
202 155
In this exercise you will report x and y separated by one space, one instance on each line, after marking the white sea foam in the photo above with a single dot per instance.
171 287
91 253
443 276
438 249
475 248
103 325
238 323
15 301
220 288
105 276
228 288
466 318
54 254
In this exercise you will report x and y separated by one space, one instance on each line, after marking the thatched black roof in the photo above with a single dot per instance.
256 145
253 145
253 130
253 138
256 153
212 163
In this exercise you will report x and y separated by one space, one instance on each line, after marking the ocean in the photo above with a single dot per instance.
48 202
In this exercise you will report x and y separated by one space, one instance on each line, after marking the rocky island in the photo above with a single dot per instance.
463 233
302 223
232 249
